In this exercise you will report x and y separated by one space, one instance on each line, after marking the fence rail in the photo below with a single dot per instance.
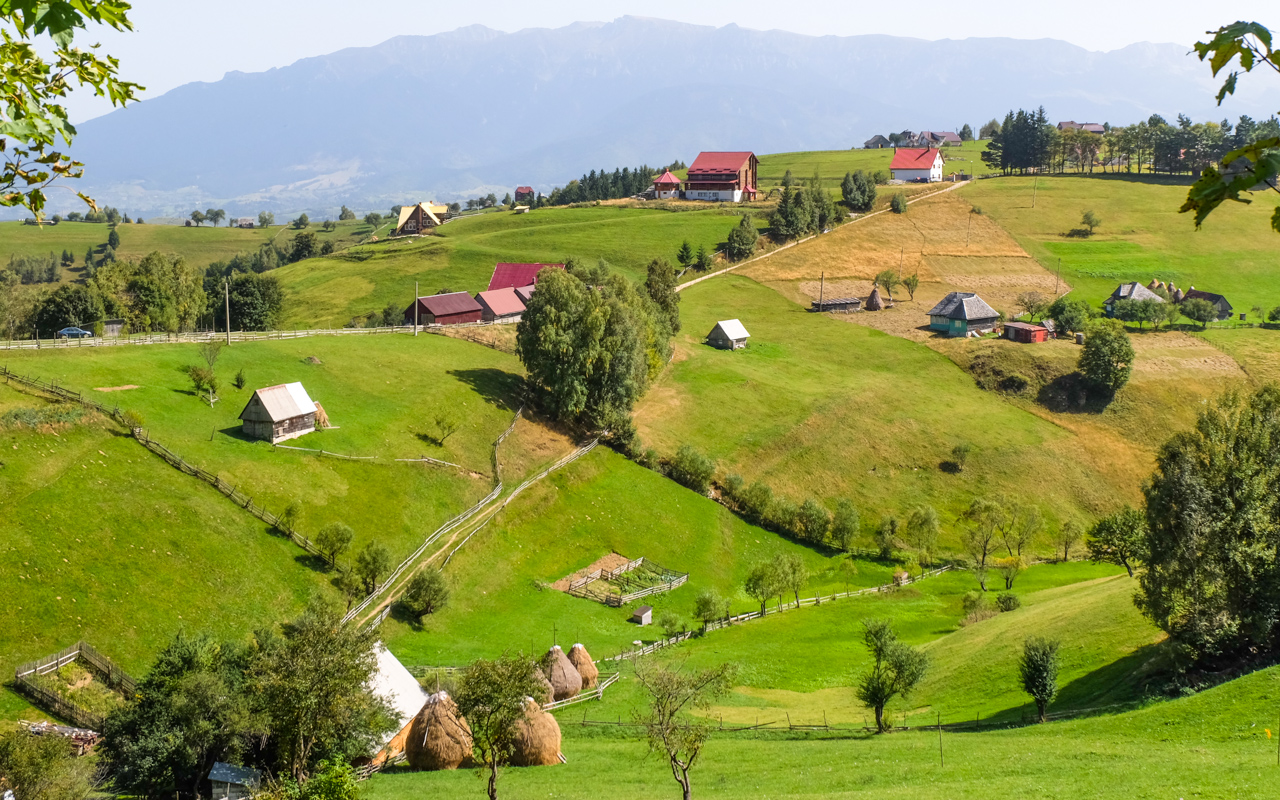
592 694
24 680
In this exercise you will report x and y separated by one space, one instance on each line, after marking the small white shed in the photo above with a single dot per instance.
643 616
728 334
232 782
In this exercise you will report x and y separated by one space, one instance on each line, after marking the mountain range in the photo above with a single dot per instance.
476 110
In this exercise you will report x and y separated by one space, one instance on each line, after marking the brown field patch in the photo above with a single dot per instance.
1173 354
532 445
116 388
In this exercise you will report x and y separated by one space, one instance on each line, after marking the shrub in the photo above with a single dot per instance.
960 455
670 622
814 520
239 381
977 607
731 488
692 469
898 203
425 594
650 459
132 419
1008 601
756 501
1274 315
845 525
1038 667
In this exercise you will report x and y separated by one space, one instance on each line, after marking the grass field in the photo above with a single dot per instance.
382 392
832 165
104 542
1257 350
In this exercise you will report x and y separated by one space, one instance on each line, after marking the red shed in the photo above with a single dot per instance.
513 276
445 309
1025 332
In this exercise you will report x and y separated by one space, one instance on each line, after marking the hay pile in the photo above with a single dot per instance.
439 737
322 419
581 660
537 738
548 694
565 680
874 301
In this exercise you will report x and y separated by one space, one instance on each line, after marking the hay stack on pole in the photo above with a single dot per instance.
548 693
581 660
537 738
565 680
874 301
440 737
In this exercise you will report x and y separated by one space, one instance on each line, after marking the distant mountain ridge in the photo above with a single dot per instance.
477 110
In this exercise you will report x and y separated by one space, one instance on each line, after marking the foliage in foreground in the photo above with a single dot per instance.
669 728
491 696
43 768
898 668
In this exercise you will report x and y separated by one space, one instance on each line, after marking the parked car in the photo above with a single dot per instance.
75 333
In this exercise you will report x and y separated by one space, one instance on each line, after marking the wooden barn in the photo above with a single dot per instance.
514 276
279 413
962 314
396 686
1026 332
525 292
232 782
728 334
444 309
416 219
1219 303
722 177
500 305
845 304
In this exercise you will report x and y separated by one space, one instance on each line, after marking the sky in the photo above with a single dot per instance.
180 41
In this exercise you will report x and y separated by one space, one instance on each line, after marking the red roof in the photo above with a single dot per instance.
501 301
513 276
524 190
667 177
914 158
718 163
445 305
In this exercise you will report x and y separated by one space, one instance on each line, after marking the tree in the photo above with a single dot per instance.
1090 220
1009 569
1033 304
660 285
1107 357
888 280
346 214
372 562
426 593
34 75
669 727
960 455
1199 310
373 219
898 668
1119 539
922 530
333 540
328 226
1069 315
966 133
198 217
312 680
670 623
305 246
44 768
742 239
1019 524
327 248
981 522
702 262
266 219
792 574
301 222
989 129
256 301
685 255
692 469
210 351
845 525
898 203
1069 535
113 238
708 606
1038 667
69 304
794 215
858 190
491 696
215 215
912 282
762 583
886 536
814 521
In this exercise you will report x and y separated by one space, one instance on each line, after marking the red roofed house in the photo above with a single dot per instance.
666 186
917 164
524 193
500 305
723 177
444 309
513 276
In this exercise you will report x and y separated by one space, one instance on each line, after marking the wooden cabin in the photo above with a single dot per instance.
232 782
1025 332
416 219
279 413
444 309
962 314
1220 305
728 334
500 305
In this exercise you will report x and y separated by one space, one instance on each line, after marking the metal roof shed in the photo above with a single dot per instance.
728 334
279 413
233 782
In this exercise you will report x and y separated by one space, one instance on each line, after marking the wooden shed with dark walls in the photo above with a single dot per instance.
279 413
445 309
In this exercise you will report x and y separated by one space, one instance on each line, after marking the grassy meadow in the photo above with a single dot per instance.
832 165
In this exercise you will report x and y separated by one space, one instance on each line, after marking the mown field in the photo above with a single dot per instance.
104 542
831 165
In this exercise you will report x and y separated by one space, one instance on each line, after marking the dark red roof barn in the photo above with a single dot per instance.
513 276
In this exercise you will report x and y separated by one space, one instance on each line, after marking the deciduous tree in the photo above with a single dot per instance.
1038 667
922 530
670 727
333 540
1069 535
373 563
491 696
44 768
1119 539
896 670
845 525
1107 357
426 593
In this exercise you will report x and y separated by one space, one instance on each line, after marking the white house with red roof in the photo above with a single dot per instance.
922 164
666 186
722 177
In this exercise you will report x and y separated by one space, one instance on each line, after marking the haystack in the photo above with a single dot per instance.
874 301
1178 296
439 737
548 693
565 680
581 661
537 738
1154 283
322 419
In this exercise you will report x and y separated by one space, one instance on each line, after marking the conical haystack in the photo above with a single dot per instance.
548 694
1178 296
1154 283
537 738
565 680
581 660
439 737
874 301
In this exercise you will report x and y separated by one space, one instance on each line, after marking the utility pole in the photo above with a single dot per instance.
966 230
1057 286
226 288
1035 185
415 308
821 287
941 758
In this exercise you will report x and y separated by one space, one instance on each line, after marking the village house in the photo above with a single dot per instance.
876 142
1088 127
232 782
728 334
917 164
1218 302
1026 332
723 177
453 308
513 276
938 139
416 219
279 413
245 222
666 186
524 194
963 314
1129 291
500 305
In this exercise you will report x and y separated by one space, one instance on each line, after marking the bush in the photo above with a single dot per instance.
977 607
898 203
1008 601
239 381
1274 315
692 469
425 594
670 622
731 488
132 419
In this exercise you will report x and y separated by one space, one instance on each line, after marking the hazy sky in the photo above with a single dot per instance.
179 41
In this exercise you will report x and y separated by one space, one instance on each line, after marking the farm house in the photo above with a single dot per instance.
917 164
524 194
279 413
444 309
666 186
1219 303
963 314
514 276
728 334
1129 291
723 177
1025 332
500 305
418 218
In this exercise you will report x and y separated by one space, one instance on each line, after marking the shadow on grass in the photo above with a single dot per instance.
1124 680
313 562
1071 394
498 387
237 432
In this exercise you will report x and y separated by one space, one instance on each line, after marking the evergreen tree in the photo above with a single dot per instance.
685 254
742 239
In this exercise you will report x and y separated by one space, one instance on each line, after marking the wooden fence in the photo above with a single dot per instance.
670 579
119 680
591 694
59 392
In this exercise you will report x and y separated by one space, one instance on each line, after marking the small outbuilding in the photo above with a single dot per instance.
667 186
1025 332
279 413
525 293
232 782
728 334
500 305
643 616
1218 302
845 304
444 309
962 314
1129 291
112 327
877 142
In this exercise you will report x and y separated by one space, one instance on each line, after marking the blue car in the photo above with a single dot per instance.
75 333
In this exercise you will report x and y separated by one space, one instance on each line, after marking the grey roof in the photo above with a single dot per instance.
1196 294
1134 291
963 305
286 401
232 773
730 329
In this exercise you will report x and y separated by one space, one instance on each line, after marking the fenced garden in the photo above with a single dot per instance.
627 582
60 684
